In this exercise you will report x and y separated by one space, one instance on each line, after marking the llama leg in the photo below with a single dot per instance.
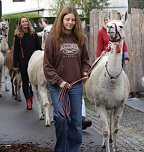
13 92
102 113
15 88
37 98
45 104
0 82
0 91
111 124
6 78
19 88
18 93
47 114
12 85
117 116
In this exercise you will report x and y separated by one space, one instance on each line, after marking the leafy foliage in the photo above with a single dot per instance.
29 15
83 6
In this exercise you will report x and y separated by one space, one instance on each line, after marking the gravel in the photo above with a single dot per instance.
131 133
133 119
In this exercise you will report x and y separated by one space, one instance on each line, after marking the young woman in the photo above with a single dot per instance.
65 61
43 23
25 43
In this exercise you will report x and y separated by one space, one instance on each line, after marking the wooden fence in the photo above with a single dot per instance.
134 36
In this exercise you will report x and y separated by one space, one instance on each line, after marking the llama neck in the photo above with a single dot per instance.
114 64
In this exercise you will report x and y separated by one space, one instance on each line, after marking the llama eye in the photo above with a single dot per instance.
111 27
121 27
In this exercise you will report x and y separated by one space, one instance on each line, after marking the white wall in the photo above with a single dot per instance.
120 5
8 6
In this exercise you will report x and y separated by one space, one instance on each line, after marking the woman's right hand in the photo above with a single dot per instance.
65 85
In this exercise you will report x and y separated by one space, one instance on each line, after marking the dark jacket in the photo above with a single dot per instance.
24 47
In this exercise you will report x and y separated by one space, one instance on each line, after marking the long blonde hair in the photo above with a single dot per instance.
19 30
58 28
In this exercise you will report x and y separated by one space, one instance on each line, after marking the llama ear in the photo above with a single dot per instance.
109 15
8 20
124 17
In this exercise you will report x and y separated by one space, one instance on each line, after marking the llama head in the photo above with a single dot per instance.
115 30
4 25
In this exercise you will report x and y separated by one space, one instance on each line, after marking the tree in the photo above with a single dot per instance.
84 6
135 4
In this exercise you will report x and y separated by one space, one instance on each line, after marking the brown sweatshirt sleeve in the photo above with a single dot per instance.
85 59
48 64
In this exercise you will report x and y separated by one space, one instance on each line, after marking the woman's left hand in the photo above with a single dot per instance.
85 76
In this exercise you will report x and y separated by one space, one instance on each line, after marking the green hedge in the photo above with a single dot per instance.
33 18
13 22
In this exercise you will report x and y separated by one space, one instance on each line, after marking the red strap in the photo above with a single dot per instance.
20 37
21 48
64 103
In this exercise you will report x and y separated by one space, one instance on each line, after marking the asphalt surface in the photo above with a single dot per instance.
18 125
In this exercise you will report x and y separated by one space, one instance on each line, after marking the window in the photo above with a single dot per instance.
18 0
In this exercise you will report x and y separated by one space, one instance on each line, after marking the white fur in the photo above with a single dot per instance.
39 85
109 95
1 68
4 26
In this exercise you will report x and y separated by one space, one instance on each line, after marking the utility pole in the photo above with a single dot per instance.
0 10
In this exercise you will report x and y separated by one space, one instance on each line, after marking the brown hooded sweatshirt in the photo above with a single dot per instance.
64 63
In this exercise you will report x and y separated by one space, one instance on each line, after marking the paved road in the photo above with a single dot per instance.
17 125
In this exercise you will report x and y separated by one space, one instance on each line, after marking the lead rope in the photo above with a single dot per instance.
64 101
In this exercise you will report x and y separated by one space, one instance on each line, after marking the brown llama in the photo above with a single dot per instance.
14 76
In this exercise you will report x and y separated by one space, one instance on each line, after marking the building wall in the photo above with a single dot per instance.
8 6
121 5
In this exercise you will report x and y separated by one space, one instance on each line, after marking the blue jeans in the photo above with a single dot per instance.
68 131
